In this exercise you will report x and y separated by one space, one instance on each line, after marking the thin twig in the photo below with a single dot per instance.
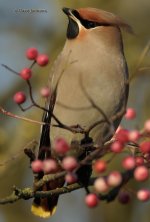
60 124
107 120
48 178
73 129
34 62
140 60
11 70
14 157
3 111
113 118
144 68
58 191
94 125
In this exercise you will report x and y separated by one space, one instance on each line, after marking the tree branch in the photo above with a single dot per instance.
6 113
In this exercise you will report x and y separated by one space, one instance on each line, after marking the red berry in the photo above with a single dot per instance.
26 73
139 160
143 195
37 166
91 200
145 147
69 163
45 92
141 173
19 97
147 126
100 166
116 147
128 163
31 53
71 178
101 185
134 135
130 114
61 146
50 166
122 136
42 60
124 197
114 178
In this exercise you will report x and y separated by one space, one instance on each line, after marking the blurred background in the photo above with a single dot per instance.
46 31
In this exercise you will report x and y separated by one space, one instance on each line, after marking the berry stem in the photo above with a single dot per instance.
34 62
11 70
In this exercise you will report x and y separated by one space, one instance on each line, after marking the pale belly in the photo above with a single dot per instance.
103 80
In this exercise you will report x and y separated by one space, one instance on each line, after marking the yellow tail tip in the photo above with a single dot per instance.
41 212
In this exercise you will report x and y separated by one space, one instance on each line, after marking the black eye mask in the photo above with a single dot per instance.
86 23
73 29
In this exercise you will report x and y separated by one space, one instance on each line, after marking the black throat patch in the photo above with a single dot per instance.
73 29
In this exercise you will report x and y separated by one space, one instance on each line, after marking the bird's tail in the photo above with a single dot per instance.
45 144
45 207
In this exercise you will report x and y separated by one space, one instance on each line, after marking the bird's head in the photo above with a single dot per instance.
87 19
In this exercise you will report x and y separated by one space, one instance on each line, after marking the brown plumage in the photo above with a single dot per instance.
103 17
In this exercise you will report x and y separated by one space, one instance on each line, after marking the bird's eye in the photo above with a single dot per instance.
91 25
86 23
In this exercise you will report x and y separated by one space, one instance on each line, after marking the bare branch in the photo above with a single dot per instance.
28 193
3 111
106 119
48 178
58 191
73 129
14 157
11 70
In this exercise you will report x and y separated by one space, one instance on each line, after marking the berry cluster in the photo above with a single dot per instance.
136 161
69 163
133 145
26 74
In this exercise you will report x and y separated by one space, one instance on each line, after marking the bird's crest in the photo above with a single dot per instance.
101 16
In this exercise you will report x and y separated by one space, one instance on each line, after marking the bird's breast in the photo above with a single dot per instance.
92 67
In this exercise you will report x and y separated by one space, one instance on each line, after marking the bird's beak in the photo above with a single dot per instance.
67 11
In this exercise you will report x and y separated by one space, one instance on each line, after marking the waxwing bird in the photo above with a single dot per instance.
93 54
91 61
